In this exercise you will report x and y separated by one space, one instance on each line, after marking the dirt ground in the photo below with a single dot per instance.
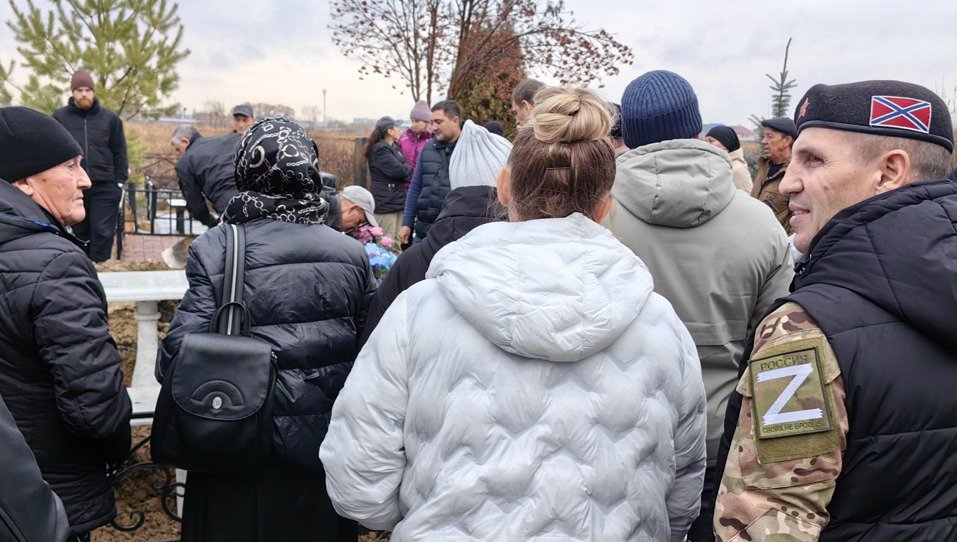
134 493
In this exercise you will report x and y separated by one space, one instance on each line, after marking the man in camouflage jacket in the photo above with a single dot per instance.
846 418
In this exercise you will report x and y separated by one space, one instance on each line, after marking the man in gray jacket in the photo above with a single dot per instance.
718 255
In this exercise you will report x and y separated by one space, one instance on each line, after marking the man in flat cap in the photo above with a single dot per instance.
847 417
100 135
60 372
779 135
243 118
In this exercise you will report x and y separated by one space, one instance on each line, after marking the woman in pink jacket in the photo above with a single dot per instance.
412 141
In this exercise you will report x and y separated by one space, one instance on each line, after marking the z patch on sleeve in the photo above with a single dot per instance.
789 397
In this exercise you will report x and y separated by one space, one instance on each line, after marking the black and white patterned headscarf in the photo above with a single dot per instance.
277 174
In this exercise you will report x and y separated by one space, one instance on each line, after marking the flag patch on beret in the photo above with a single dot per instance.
901 113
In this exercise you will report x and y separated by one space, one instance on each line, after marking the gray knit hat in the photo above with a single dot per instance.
659 106
478 157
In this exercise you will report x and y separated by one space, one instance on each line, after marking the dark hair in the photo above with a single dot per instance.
495 127
928 161
449 107
562 162
525 91
382 127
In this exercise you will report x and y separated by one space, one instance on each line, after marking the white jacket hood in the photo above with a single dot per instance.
520 295
681 183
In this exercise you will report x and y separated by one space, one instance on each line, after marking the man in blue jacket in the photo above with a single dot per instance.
100 135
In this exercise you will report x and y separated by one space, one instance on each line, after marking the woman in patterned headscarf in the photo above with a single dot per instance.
307 288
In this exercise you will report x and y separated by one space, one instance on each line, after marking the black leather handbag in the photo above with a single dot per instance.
214 411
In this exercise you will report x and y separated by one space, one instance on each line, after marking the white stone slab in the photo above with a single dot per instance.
144 285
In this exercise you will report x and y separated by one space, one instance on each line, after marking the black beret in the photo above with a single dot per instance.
31 142
886 108
782 124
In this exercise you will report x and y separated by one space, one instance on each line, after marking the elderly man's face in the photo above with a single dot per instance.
83 97
777 145
59 190
825 176
241 123
180 146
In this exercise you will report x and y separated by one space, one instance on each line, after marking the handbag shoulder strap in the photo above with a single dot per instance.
232 297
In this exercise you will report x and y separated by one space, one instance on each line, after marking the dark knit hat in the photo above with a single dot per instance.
726 136
81 78
31 142
495 127
781 124
886 108
659 106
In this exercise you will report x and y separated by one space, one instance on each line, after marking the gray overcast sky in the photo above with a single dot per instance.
281 52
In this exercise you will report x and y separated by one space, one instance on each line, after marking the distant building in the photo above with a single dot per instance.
745 134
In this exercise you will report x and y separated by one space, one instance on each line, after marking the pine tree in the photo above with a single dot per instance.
781 99
130 47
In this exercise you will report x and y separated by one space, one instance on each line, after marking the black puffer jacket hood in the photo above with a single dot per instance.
912 277
59 369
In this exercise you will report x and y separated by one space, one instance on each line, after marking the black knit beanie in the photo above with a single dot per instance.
726 136
31 142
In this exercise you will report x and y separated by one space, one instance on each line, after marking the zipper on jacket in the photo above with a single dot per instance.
86 145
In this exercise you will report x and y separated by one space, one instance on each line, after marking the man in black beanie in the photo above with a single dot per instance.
59 369
100 134
844 426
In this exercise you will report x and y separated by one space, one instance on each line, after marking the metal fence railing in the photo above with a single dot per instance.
163 209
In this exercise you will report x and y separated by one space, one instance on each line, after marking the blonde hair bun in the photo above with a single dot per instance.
569 116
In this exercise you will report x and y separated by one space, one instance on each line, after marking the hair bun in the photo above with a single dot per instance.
569 116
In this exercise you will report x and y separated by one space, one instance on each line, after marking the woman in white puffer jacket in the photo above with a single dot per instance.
533 386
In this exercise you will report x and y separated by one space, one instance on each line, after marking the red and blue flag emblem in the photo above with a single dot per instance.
901 113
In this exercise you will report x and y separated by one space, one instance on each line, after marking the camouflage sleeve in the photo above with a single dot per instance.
787 449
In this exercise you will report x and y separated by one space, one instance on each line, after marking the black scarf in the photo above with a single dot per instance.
251 205
278 176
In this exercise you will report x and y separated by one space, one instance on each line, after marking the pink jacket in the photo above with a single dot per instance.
411 146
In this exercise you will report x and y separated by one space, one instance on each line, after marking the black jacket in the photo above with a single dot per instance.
388 171
465 209
207 171
100 134
29 511
308 288
880 281
434 163
59 369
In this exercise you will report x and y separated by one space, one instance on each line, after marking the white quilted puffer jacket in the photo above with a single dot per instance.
531 388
